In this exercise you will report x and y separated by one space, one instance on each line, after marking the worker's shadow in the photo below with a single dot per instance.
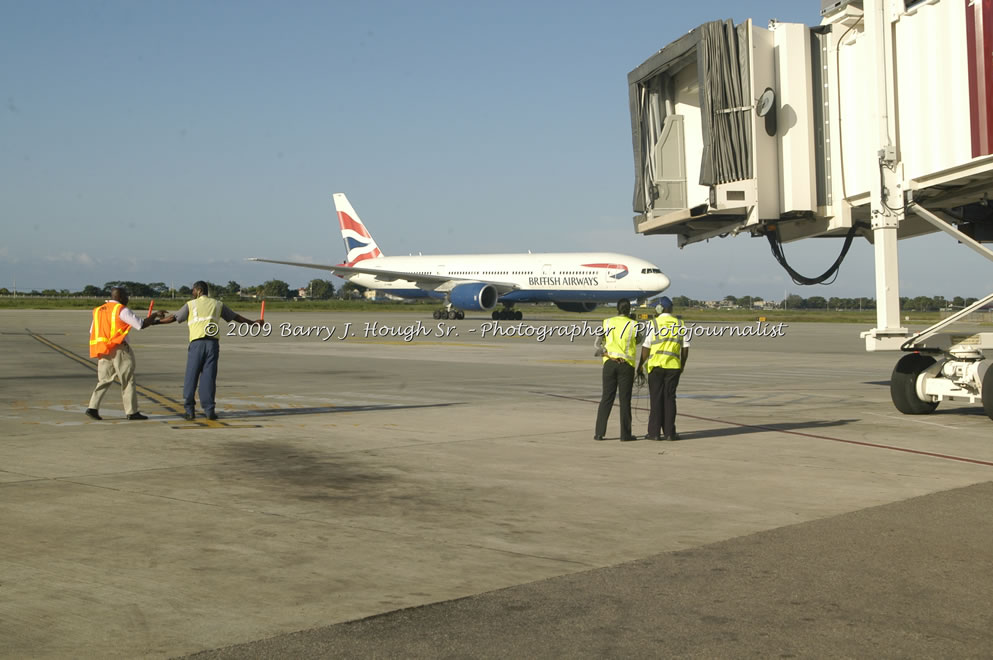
799 428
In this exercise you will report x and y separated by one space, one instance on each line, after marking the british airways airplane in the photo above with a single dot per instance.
574 281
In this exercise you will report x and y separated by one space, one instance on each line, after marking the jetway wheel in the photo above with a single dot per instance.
903 385
988 392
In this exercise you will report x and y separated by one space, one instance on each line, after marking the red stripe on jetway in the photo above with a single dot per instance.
986 85
970 45
979 43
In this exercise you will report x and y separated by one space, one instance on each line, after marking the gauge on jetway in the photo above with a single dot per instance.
765 102
763 108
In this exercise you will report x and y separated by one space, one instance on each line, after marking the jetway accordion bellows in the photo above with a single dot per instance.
726 103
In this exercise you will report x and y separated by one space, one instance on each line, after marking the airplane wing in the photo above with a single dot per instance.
421 280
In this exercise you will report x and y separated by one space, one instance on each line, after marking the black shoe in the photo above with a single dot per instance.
672 438
189 417
596 437
212 416
653 437
136 416
629 438
93 414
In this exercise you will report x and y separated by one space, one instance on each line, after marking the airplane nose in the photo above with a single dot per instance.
663 282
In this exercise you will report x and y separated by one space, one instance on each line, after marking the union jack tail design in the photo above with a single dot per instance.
359 244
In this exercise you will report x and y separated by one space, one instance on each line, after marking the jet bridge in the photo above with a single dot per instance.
876 123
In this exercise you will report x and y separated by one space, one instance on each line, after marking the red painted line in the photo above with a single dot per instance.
874 445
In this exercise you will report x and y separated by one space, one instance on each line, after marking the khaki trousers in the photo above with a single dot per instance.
119 365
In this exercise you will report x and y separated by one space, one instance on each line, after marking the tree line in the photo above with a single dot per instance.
323 290
317 289
794 301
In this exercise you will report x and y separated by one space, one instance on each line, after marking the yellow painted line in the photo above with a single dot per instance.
69 354
169 404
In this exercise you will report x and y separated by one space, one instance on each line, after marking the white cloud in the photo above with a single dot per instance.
77 258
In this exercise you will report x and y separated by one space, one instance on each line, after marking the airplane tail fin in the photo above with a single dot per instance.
359 244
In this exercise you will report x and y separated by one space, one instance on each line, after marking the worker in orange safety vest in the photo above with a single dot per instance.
112 321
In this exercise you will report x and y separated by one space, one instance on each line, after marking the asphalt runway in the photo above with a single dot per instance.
447 486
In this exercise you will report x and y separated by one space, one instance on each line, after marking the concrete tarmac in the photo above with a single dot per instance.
356 474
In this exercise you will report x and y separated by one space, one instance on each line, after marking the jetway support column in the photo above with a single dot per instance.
886 203
887 335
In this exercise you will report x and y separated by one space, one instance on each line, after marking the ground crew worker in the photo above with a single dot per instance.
619 346
204 315
664 354
112 321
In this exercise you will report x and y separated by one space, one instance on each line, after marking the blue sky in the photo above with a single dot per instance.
167 141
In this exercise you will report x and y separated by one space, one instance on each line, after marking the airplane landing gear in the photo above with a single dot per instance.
449 313
507 314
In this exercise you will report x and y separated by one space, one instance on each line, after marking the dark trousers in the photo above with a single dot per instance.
618 378
662 384
201 365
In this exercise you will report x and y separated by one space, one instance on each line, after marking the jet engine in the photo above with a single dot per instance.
576 307
474 297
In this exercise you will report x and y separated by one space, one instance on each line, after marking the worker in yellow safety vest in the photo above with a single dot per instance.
618 345
203 315
664 354
112 321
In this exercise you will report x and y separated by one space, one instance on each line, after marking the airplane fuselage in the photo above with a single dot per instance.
568 277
